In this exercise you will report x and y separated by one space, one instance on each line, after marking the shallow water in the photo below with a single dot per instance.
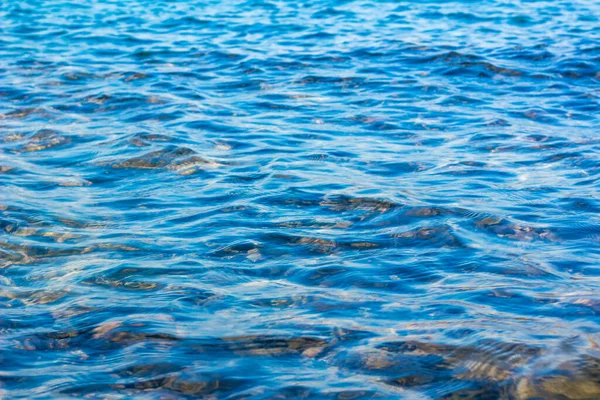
268 199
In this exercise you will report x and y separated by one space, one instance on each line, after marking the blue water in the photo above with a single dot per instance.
277 199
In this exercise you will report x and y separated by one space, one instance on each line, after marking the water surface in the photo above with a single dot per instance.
274 199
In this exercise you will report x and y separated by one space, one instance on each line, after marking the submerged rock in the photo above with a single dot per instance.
271 345
145 139
178 159
572 380
42 140
488 360
504 228
156 159
345 204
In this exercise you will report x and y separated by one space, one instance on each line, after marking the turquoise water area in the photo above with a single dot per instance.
318 200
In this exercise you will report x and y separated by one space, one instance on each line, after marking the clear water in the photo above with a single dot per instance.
274 199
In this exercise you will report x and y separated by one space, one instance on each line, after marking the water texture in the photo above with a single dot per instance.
277 199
